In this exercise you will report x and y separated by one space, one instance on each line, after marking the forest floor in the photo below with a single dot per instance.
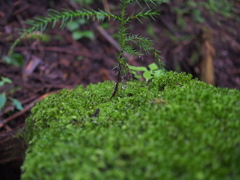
192 36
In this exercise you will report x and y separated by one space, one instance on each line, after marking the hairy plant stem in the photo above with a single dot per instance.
117 82
122 45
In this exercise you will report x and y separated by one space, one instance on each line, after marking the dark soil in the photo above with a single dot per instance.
187 45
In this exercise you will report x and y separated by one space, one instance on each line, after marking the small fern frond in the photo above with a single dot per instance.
41 23
133 52
156 54
145 14
147 2
144 43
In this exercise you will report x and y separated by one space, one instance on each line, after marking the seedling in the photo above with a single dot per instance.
4 97
145 45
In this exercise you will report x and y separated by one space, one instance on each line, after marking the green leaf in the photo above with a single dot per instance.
153 66
137 68
136 75
147 75
76 35
158 73
88 34
12 90
72 26
14 59
82 21
6 80
17 103
3 100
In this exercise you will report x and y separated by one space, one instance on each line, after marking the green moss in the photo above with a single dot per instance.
173 128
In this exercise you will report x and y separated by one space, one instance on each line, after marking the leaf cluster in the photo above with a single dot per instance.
152 71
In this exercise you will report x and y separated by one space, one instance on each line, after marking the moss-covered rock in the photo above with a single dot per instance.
172 128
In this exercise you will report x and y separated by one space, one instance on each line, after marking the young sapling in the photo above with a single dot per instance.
145 45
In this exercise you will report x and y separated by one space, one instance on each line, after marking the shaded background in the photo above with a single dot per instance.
194 36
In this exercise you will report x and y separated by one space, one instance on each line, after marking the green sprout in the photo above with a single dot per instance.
145 45
4 97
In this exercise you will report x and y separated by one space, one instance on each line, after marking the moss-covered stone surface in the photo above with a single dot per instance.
172 128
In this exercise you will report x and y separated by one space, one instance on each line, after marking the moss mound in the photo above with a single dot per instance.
173 128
